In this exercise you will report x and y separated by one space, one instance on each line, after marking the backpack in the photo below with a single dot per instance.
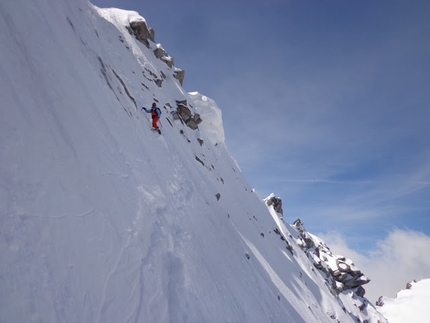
157 112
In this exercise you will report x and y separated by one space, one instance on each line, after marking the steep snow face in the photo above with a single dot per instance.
103 220
410 305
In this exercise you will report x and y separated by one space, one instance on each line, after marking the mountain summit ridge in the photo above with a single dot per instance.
104 220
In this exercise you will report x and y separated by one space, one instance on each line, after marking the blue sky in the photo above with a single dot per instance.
325 103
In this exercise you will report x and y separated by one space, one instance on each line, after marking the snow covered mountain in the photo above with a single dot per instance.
104 220
410 305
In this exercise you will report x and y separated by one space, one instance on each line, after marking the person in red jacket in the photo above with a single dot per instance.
155 113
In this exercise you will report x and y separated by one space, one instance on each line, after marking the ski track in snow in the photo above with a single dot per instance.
80 215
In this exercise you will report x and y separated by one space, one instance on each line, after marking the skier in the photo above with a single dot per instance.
155 113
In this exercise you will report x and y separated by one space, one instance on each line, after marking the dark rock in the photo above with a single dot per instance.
179 75
142 32
277 204
360 291
183 112
379 302
161 54
309 243
410 284
200 161
356 281
299 225
192 121
290 248
197 118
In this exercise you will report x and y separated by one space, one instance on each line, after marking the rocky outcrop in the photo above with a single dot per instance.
276 202
179 75
144 34
341 277
194 121
410 284
141 31
187 116
161 54
340 272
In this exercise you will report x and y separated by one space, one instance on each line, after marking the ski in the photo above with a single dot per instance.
158 130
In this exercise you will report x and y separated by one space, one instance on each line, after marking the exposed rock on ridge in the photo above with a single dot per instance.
192 121
179 74
141 31
139 28
276 202
341 272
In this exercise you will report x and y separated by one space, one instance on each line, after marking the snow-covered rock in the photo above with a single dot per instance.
337 274
341 273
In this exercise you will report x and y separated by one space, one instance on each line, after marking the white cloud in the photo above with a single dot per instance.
399 258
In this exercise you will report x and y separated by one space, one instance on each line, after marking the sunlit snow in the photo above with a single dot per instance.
410 305
103 220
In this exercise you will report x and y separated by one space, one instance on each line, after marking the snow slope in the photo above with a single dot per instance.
103 220
410 305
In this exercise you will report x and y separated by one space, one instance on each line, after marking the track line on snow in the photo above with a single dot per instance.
58 216
103 305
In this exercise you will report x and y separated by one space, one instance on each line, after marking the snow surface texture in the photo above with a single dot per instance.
103 220
410 305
